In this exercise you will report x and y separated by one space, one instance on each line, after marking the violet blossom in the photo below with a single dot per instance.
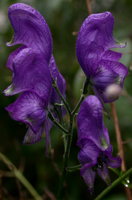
29 63
100 64
95 153
32 65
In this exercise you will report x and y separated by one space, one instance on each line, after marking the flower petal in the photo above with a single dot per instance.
111 55
104 77
31 137
104 174
109 73
89 152
30 28
29 109
90 120
94 37
30 72
117 67
114 162
89 176
12 57
106 136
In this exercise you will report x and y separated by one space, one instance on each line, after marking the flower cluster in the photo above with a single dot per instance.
106 74
33 67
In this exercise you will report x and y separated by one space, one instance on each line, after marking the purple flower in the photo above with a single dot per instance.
30 72
29 63
32 65
93 139
30 109
98 61
30 29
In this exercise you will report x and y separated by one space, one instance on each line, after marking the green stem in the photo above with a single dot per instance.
114 184
50 115
115 171
124 182
66 157
69 138
59 114
78 104
84 92
20 177
73 168
61 96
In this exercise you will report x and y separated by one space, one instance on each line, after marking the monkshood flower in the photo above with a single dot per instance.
95 149
32 110
100 64
29 63
32 65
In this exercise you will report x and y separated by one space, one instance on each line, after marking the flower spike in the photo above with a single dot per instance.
100 64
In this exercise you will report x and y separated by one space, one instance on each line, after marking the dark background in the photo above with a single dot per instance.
64 17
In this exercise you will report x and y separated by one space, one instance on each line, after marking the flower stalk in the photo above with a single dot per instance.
50 115
70 135
114 184
54 84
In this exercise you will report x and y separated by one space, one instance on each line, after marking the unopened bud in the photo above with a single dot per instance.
113 91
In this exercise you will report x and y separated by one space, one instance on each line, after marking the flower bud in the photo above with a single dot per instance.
113 91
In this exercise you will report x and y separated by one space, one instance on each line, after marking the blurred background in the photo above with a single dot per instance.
63 17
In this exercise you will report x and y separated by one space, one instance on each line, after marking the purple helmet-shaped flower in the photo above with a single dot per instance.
32 66
29 63
101 64
95 149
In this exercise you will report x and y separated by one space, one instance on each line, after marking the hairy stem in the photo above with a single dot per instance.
120 145
17 174
114 184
